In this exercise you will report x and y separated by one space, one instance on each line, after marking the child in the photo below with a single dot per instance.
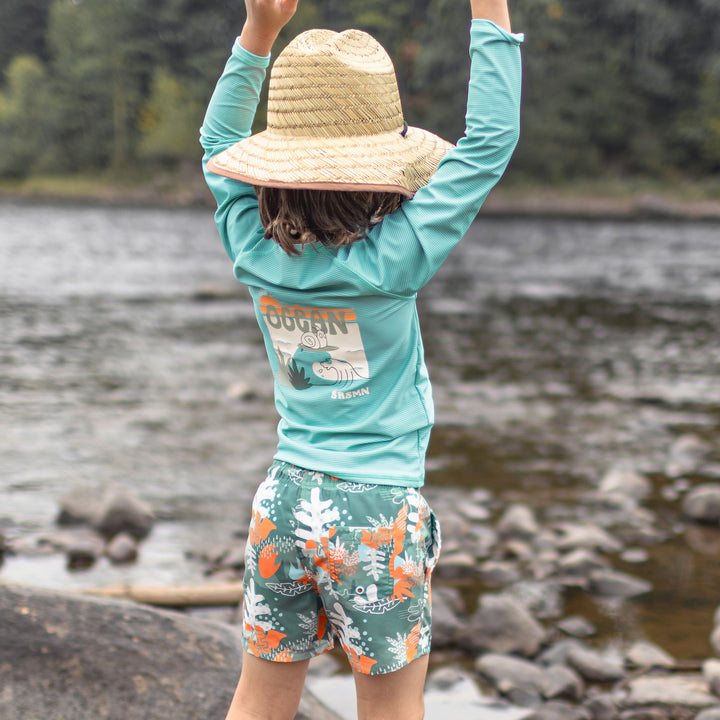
335 217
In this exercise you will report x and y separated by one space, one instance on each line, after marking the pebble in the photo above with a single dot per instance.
601 706
617 584
626 482
711 673
123 548
594 665
647 654
558 710
576 626
588 536
686 690
712 713
560 681
702 503
506 672
519 521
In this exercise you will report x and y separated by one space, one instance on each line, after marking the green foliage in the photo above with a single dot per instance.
610 86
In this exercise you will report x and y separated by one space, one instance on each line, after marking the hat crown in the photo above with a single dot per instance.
328 84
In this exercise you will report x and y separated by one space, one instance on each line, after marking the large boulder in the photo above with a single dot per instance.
66 656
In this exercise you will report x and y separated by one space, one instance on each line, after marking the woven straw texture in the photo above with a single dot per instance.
334 121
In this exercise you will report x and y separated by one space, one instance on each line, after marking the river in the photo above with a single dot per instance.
557 348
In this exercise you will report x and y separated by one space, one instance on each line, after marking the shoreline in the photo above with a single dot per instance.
589 199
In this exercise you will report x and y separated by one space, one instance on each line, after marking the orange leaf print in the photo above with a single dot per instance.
267 561
361 663
322 624
264 642
401 589
260 528
411 644
283 656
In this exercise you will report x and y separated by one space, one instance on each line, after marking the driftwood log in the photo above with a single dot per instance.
211 594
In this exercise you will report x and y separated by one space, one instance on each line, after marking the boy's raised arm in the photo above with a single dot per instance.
495 10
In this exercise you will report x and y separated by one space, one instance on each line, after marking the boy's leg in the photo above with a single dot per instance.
394 696
268 690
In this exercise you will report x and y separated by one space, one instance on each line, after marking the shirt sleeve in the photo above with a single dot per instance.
403 252
228 119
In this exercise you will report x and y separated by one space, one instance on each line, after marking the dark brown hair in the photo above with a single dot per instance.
294 218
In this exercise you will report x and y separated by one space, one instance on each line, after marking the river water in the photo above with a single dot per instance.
557 349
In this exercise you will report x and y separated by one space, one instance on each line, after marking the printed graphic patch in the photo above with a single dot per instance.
317 347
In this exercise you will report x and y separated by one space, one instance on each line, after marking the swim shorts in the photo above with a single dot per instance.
327 559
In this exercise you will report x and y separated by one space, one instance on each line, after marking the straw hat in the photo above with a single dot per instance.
334 122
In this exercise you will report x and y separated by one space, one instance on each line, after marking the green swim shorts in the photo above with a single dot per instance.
328 558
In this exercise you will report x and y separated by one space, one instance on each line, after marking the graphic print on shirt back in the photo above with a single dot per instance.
317 347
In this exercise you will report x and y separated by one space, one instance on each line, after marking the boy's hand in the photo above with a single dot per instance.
265 19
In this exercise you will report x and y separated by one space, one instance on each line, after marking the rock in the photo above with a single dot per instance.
83 550
456 565
617 584
712 713
621 481
576 626
474 512
445 678
595 666
558 710
502 625
581 562
634 555
590 537
645 713
518 520
66 656
560 681
499 572
602 707
715 640
542 599
447 609
109 509
506 672
711 673
122 549
647 654
685 690
241 391
716 616
556 654
702 503
687 454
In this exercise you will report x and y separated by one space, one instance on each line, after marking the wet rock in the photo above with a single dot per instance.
634 555
625 482
556 654
595 666
647 654
543 599
560 682
506 672
456 565
646 713
704 539
474 512
590 537
524 696
501 624
576 626
601 707
518 520
617 584
558 710
685 690
241 391
711 673
702 503
66 655
83 550
122 549
445 678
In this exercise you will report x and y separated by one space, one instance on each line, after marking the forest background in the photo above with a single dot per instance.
612 88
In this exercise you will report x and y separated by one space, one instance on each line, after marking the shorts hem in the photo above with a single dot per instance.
387 669
296 657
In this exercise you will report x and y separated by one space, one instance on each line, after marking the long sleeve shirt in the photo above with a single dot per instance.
340 324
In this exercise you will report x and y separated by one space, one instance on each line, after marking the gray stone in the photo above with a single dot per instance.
576 626
556 654
499 572
456 565
702 503
711 673
66 656
626 482
685 690
711 713
601 707
595 666
83 550
506 672
558 710
542 598
446 613
645 713
687 454
501 624
588 536
560 681
617 584
123 548
716 616
581 562
715 639
647 654
518 520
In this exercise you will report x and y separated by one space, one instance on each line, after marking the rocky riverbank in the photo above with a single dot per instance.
520 642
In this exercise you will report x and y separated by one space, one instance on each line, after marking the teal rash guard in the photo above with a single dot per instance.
340 323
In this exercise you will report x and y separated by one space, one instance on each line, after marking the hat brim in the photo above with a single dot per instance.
383 162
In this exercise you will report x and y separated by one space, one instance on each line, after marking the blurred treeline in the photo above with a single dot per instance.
620 87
